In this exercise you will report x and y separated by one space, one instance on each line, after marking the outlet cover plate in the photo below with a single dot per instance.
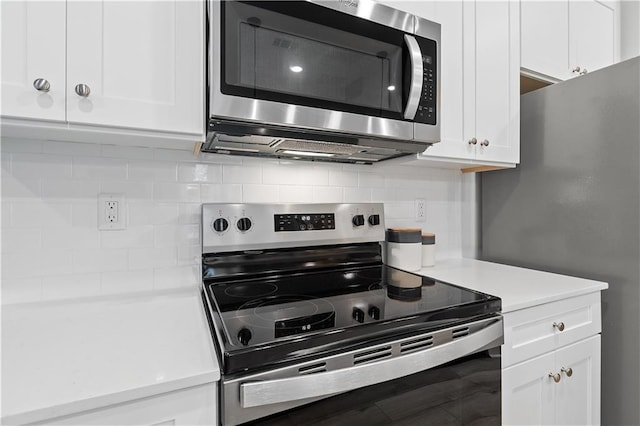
421 210
111 212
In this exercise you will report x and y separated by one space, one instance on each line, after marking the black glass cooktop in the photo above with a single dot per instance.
306 314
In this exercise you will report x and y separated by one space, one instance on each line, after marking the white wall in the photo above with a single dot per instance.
52 249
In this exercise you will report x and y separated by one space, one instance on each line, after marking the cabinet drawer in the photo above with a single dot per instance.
531 332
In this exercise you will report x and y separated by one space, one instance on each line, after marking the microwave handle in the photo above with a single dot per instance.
417 73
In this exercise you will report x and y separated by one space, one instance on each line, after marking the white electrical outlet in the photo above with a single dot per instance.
421 209
111 212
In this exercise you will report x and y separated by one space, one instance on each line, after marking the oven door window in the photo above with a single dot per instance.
304 54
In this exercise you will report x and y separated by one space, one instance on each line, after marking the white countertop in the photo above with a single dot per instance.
517 287
65 357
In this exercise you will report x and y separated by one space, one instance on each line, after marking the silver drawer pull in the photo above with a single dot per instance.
559 326
567 371
41 85
556 377
473 141
485 142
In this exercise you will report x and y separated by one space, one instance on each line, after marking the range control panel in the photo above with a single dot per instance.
304 222
237 227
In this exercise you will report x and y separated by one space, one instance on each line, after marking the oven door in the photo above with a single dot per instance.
319 65
450 376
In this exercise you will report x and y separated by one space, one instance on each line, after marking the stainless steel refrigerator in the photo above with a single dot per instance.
573 206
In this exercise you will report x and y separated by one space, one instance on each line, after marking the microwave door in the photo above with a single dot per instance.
282 63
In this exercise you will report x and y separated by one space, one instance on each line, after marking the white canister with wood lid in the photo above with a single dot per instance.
403 248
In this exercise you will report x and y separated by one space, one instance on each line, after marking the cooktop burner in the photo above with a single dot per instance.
290 315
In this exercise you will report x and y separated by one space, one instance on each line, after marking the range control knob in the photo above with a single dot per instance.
358 315
374 313
358 220
374 219
220 224
244 224
244 336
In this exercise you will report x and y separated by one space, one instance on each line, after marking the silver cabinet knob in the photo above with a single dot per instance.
584 71
82 90
576 69
556 377
559 326
473 141
484 143
41 85
567 371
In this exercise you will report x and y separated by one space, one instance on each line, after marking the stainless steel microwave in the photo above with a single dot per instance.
345 80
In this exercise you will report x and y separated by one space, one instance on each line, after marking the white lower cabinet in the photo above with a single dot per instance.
551 363
191 406
558 388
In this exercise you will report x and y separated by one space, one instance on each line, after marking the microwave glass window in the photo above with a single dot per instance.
275 56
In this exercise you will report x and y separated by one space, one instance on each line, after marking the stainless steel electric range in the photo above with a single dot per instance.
306 317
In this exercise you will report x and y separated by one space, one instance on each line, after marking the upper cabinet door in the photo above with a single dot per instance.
33 48
136 64
545 38
497 81
592 42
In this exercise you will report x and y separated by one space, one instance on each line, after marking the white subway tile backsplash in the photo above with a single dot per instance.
23 189
179 276
225 193
73 190
189 255
370 180
260 193
85 214
128 152
50 210
19 239
241 174
153 171
99 168
20 290
328 194
296 194
20 145
71 286
133 191
132 237
40 166
342 178
200 172
149 258
71 148
189 213
70 238
145 213
177 235
357 195
126 281
100 260
178 192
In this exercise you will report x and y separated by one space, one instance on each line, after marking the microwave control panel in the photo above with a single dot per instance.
427 106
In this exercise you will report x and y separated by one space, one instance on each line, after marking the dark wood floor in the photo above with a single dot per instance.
466 393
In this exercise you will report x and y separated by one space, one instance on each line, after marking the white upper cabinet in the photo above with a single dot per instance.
33 59
121 65
497 82
141 61
480 81
564 39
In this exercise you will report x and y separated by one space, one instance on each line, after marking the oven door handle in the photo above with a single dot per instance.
258 393
417 73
